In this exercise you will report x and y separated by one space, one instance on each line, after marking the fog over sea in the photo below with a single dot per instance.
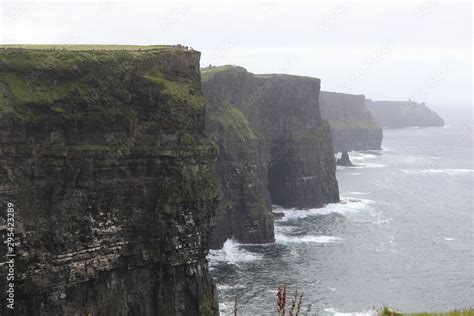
402 235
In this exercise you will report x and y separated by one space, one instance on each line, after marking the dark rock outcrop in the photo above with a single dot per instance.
352 125
397 114
274 146
344 160
104 156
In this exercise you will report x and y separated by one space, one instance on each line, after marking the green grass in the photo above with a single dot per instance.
208 73
31 91
177 91
86 47
85 85
87 59
464 312
58 60
235 124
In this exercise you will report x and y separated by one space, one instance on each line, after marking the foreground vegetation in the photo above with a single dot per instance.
463 312
294 308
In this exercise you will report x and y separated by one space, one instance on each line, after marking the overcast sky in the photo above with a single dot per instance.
419 50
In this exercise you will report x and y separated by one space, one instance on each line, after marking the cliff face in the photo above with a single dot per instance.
352 125
244 212
104 156
273 145
396 114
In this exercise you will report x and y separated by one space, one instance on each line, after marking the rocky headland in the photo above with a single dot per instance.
397 114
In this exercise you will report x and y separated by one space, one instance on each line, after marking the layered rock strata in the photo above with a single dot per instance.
104 155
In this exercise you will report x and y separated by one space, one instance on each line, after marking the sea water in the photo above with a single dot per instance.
402 235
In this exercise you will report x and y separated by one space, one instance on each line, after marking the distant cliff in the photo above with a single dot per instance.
105 158
352 125
274 148
397 114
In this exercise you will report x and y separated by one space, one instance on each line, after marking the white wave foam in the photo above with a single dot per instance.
450 172
229 287
356 156
357 193
414 159
285 239
231 253
370 165
225 309
334 312
362 166
449 238
347 205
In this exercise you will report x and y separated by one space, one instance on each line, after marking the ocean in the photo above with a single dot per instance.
402 235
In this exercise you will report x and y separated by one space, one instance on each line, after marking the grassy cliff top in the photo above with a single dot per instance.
43 85
208 73
288 76
88 47
72 57
341 94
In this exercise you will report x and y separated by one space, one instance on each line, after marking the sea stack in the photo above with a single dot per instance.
344 160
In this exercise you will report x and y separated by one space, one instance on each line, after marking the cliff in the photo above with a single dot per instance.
396 114
104 156
274 148
352 125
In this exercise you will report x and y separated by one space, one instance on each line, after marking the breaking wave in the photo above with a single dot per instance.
285 239
231 253
347 205
370 165
356 156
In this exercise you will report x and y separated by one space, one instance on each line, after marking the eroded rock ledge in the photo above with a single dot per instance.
113 179
274 149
